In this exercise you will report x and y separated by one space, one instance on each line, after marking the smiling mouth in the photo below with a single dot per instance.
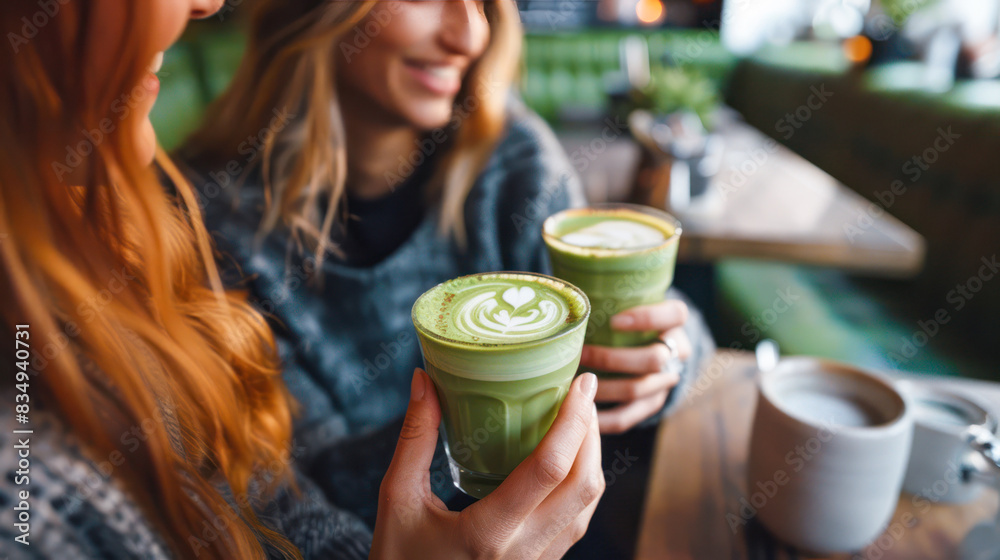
442 79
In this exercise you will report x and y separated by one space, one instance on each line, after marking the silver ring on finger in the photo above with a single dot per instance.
674 363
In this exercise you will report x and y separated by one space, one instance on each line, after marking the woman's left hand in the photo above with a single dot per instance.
643 393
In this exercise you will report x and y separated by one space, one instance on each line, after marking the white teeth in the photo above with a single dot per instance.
157 62
443 72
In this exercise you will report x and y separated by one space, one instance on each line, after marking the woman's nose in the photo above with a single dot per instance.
464 26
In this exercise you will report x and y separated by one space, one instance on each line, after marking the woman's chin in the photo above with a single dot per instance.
428 116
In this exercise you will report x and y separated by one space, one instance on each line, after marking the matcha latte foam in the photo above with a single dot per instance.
502 349
615 233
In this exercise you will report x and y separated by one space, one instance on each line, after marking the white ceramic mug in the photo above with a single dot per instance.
944 467
828 453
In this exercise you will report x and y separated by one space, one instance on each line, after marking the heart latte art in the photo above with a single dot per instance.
499 313
500 308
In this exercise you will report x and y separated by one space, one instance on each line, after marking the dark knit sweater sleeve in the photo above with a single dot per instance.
702 348
319 530
538 181
79 513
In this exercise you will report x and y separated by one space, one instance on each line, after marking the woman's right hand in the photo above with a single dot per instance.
540 510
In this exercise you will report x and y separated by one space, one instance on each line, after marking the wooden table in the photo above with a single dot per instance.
699 471
765 202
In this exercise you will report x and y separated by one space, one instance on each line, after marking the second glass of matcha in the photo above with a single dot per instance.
621 255
502 349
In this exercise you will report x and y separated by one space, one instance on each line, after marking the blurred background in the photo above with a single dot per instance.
832 161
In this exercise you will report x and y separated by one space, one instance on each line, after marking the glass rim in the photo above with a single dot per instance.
575 326
553 241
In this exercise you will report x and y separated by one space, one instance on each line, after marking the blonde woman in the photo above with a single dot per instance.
144 416
405 162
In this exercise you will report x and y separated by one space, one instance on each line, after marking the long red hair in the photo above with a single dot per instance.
115 276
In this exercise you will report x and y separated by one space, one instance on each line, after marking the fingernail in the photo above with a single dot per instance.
589 385
622 321
418 386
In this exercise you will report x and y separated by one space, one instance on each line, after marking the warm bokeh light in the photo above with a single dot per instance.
649 11
858 48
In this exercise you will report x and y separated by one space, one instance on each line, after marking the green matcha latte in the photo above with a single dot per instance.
621 255
502 349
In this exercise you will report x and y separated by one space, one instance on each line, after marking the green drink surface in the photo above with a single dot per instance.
612 233
499 309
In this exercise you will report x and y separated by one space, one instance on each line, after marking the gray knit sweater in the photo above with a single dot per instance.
79 511
350 348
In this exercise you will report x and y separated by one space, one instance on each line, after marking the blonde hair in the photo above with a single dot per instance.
290 63
128 319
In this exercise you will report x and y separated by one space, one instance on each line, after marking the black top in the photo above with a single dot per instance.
377 227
